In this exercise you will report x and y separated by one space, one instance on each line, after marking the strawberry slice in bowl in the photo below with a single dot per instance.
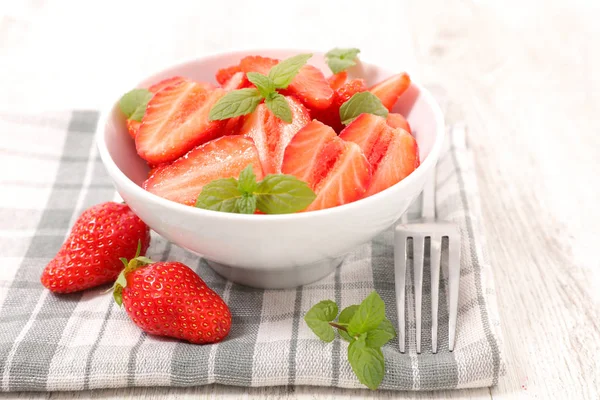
271 135
390 89
176 121
393 153
336 170
182 180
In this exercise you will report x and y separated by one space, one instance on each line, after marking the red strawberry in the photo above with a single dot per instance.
157 87
331 116
336 170
237 81
132 127
392 153
182 180
233 126
390 89
337 80
90 255
302 155
225 74
176 121
170 299
398 121
271 135
259 64
311 87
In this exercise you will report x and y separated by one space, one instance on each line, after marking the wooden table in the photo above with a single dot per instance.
523 75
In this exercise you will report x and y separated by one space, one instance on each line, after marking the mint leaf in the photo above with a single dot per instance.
368 316
220 195
380 336
283 194
361 103
366 362
247 181
344 318
318 318
279 106
246 204
133 103
284 73
264 84
341 59
235 103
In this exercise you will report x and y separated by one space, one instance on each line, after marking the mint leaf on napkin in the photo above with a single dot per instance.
364 326
318 318
366 362
368 316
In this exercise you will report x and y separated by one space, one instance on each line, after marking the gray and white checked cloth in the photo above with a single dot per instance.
50 172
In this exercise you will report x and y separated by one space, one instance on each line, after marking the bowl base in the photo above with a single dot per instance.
277 279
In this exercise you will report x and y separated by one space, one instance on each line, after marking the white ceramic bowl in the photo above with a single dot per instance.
270 251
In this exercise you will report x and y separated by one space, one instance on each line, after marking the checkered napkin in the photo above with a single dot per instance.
50 172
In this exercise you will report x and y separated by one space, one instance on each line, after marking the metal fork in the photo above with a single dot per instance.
427 227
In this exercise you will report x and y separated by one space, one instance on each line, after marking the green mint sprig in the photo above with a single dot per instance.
133 103
341 59
245 101
361 103
275 194
364 326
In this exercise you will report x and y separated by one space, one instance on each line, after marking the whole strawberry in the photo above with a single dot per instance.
90 255
170 299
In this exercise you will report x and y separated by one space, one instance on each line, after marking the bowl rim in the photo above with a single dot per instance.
114 170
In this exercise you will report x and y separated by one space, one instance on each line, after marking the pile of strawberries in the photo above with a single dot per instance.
186 149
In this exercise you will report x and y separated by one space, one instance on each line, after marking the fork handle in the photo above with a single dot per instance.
428 206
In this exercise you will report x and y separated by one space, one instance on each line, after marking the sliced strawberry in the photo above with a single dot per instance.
133 127
392 153
182 180
259 64
400 159
311 87
337 80
271 135
225 74
331 115
237 81
364 131
336 170
157 87
176 121
347 178
302 156
396 120
390 89
233 126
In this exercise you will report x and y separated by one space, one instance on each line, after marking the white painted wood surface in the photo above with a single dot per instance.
524 75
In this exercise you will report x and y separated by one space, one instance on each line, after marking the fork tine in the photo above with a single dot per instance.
400 277
435 256
453 282
418 250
